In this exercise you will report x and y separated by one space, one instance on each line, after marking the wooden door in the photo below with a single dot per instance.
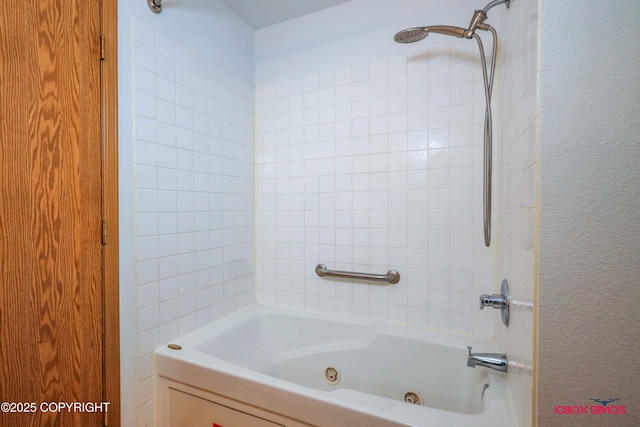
51 280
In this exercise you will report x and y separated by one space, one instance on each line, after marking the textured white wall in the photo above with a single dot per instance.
589 292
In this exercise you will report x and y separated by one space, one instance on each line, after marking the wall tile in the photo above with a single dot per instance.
394 196
193 160
517 195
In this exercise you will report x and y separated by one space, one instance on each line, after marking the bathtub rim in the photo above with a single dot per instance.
485 344
199 369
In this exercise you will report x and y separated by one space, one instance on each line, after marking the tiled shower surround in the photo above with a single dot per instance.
361 160
371 167
194 180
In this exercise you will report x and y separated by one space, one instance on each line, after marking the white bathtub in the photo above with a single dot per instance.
265 366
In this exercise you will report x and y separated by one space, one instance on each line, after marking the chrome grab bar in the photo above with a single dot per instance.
391 277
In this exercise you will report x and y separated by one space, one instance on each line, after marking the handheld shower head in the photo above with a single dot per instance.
411 35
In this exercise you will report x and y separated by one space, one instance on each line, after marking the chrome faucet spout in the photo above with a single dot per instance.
495 361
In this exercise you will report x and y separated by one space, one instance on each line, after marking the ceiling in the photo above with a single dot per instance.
262 13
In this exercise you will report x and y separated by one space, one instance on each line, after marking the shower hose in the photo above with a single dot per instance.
488 132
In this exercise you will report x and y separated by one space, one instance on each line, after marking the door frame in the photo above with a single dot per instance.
109 142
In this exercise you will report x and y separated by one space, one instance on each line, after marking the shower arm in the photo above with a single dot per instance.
495 3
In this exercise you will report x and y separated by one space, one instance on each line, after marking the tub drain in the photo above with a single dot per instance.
413 398
332 375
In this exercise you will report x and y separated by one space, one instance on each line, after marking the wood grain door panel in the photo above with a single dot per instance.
51 314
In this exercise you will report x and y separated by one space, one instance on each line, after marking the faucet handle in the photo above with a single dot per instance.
495 301
469 348
483 301
500 301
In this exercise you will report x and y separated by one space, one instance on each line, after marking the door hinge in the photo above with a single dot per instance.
104 232
102 48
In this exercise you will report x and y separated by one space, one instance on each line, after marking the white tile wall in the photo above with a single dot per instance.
370 167
367 166
194 194
517 171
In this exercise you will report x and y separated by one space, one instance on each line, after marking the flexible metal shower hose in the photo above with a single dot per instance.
488 133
